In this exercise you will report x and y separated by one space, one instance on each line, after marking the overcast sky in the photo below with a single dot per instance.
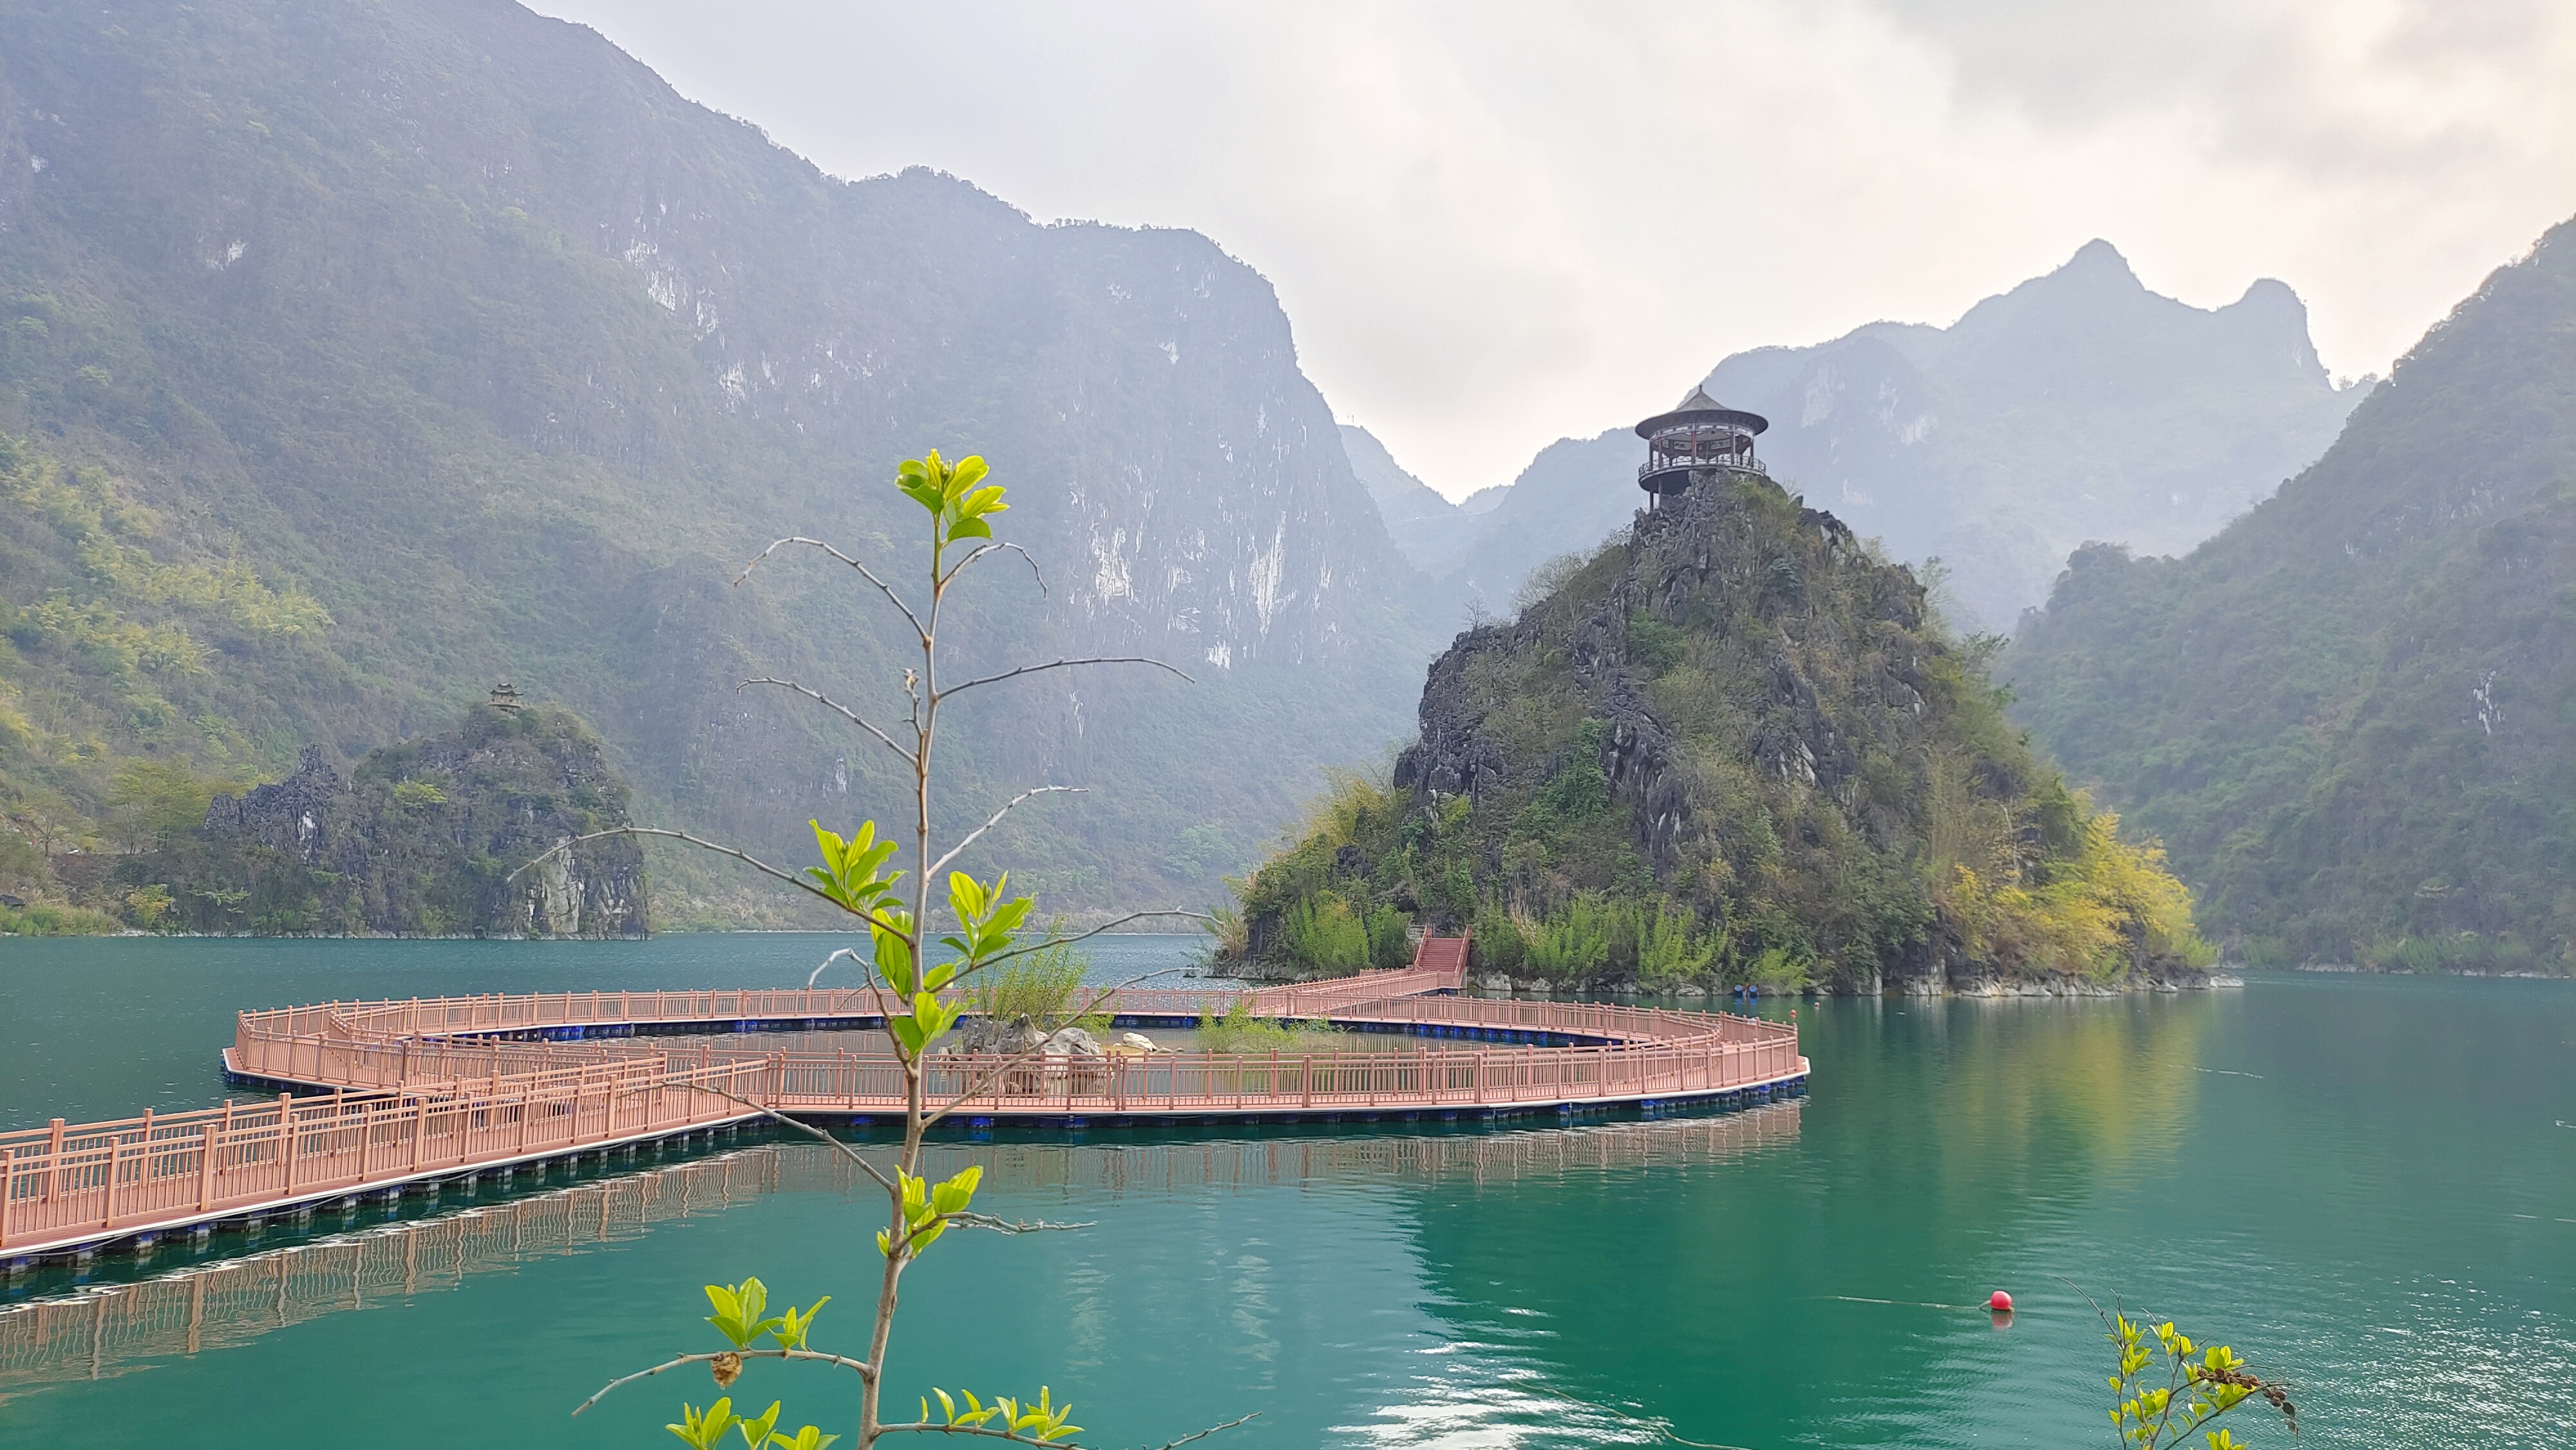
1495 224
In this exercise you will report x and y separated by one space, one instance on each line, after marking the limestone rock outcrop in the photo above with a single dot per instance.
429 837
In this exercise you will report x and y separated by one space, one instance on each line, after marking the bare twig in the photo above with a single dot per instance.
954 851
1210 1430
995 547
882 587
817 973
740 855
774 1116
1000 957
828 703
1064 664
1006 1226
689 1359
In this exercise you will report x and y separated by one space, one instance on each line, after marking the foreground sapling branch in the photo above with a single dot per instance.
911 978
827 702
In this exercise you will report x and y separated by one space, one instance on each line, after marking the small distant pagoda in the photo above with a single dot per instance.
505 696
1699 440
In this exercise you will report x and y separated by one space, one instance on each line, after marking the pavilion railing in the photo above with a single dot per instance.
1742 463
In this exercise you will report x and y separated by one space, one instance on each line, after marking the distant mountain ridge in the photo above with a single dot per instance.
460 324
2079 406
1426 527
2352 714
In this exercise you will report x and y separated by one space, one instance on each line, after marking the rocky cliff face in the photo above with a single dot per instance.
511 356
425 838
1790 599
1731 746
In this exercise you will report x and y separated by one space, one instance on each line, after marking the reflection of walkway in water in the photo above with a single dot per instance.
113 1329
110 1329
1481 1157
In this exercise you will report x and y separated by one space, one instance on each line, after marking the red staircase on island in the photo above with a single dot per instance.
1446 955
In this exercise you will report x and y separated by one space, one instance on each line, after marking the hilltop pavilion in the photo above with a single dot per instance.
1699 440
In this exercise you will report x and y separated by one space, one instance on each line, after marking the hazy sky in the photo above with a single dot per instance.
1495 224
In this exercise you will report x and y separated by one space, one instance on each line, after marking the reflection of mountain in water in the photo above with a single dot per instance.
1960 1145
112 1329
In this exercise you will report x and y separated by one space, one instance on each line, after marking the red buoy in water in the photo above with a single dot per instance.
2000 1302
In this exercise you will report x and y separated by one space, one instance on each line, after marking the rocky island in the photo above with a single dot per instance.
1735 746
421 839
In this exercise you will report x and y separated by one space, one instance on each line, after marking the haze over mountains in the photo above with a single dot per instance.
2078 406
356 358
463 323
1425 526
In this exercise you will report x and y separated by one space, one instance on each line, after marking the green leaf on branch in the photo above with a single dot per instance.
907 1034
986 920
809 1438
894 956
958 1193
755 1433
853 875
738 1315
792 1326
948 493
976 1413
926 1210
703 1430
1041 1421
934 1016
2203 1384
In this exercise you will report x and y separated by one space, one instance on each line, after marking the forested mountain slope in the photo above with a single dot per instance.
2352 715
1733 746
463 336
2078 406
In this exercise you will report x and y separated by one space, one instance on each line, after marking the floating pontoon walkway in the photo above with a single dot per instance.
376 1098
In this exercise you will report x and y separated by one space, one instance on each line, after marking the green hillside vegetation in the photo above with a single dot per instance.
1731 747
2352 715
123 700
146 668
424 838
381 352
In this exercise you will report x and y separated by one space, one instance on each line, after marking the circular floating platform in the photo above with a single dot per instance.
375 1097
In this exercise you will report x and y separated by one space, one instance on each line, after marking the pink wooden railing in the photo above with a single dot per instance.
416 1093
69 1184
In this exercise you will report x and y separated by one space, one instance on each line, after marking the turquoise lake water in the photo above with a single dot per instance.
2368 1185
